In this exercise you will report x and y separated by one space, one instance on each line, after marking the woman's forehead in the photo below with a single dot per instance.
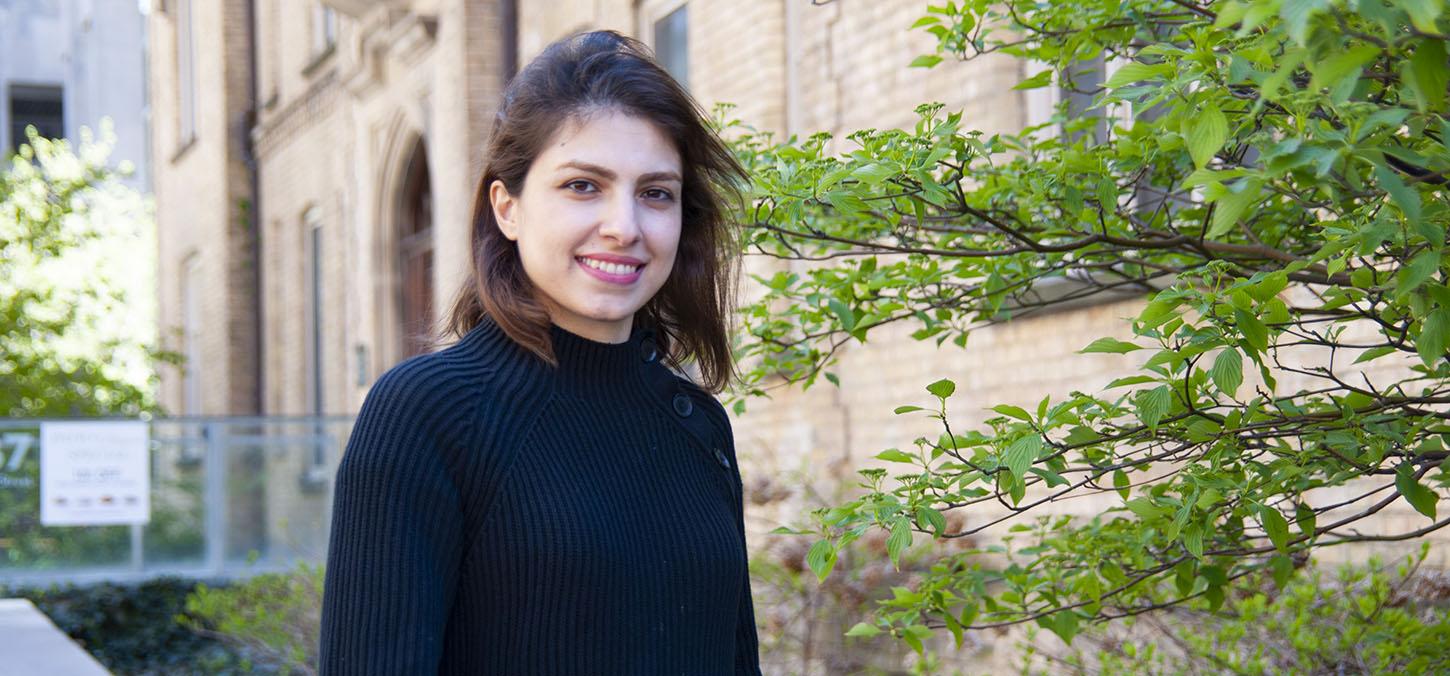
617 143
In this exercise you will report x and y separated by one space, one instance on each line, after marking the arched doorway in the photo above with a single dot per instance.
415 254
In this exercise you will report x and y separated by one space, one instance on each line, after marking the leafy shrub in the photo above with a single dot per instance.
273 617
1360 620
133 629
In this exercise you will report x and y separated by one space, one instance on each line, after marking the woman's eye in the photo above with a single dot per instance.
658 194
580 186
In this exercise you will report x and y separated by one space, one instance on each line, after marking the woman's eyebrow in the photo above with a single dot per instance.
609 174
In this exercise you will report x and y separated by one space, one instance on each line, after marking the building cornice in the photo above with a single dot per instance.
386 34
297 115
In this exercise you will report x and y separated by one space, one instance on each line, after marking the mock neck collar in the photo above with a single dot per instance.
631 374
586 358
580 360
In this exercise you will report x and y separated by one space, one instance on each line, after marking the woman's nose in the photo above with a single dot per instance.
621 221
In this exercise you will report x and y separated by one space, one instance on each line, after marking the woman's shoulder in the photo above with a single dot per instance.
458 380
705 401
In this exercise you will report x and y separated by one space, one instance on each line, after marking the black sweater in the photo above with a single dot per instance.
495 515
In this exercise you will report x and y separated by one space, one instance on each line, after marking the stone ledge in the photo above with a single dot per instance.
32 644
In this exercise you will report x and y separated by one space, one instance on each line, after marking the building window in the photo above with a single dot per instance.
1080 85
40 107
312 228
185 72
324 28
672 47
191 335
415 250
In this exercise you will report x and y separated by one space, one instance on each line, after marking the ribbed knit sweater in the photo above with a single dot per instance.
496 515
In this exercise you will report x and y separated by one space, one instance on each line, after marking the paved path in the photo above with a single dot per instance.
30 644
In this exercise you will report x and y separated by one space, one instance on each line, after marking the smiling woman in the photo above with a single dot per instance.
595 117
598 222
549 495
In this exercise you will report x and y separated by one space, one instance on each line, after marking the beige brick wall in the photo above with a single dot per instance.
199 187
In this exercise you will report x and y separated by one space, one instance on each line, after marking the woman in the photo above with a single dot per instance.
546 496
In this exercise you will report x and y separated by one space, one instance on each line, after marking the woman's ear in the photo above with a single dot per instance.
505 209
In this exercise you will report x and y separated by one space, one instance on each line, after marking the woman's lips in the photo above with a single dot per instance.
624 279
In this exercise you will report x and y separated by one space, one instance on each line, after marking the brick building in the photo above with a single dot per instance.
315 163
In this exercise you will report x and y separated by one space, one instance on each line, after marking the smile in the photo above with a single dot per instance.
617 273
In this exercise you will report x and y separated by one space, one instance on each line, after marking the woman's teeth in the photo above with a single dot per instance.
611 268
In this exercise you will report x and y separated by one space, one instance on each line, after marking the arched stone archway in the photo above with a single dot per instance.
413 232
403 256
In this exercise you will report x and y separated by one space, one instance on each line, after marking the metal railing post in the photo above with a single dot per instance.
215 497
138 543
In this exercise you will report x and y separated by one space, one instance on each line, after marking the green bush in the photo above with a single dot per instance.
133 629
273 617
1359 620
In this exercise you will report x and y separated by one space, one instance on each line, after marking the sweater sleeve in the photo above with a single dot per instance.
397 536
747 646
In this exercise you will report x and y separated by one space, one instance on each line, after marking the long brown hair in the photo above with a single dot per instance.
574 76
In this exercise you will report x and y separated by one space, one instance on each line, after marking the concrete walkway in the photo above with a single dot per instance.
30 644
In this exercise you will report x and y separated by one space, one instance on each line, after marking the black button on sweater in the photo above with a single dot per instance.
494 515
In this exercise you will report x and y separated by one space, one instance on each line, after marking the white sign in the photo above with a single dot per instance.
94 473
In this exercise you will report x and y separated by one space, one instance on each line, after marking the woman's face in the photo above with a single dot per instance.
598 221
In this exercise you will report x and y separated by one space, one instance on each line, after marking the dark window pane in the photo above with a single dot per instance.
41 107
415 260
1079 87
671 47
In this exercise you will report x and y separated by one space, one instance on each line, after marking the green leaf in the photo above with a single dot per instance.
863 630
1112 345
873 173
1424 13
1254 331
1374 353
1129 380
942 388
1297 15
895 455
1209 131
899 540
914 635
1275 526
1063 623
907 409
1404 197
842 312
1434 336
1282 568
1152 404
1041 79
1021 453
1331 70
821 559
1121 482
1307 521
925 61
1421 498
1230 206
927 20
1134 72
1193 540
1414 273
931 519
1146 509
1014 411
1228 371
1052 478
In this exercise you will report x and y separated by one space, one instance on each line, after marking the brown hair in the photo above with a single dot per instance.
580 74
